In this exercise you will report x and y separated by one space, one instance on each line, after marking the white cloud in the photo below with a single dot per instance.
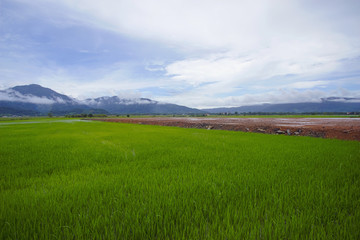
197 71
241 26
278 96
239 70
225 45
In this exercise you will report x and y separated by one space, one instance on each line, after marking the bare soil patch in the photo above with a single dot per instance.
340 128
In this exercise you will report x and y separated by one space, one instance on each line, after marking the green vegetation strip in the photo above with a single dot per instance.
33 119
97 180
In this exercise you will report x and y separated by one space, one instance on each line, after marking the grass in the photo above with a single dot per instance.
97 180
33 119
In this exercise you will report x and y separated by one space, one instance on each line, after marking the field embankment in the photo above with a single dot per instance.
340 128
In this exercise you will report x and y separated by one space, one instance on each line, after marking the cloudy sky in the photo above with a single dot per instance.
198 53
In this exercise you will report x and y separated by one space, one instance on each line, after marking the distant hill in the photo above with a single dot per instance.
36 100
332 104
116 105
42 92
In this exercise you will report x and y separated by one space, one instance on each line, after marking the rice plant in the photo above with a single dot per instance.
97 180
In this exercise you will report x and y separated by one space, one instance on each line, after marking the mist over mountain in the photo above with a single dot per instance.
34 99
116 105
36 91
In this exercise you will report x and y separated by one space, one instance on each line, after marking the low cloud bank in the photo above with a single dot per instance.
14 96
117 100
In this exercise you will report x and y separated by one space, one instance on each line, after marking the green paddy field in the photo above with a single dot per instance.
102 180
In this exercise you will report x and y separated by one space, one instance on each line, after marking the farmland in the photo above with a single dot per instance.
104 180
339 128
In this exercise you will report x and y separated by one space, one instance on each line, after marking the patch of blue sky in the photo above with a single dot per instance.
156 91
175 89
239 91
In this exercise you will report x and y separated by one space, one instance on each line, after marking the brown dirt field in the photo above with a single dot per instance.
340 128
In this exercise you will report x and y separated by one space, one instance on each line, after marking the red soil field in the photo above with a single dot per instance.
340 128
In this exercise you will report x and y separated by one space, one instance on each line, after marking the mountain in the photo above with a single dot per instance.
34 90
331 104
116 105
35 100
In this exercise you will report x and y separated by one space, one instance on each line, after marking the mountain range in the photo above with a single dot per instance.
35 100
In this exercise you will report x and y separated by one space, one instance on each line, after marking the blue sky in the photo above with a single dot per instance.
204 53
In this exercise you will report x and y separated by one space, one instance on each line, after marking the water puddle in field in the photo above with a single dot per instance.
55 121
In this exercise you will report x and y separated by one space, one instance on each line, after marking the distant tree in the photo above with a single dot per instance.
128 115
90 115
50 114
